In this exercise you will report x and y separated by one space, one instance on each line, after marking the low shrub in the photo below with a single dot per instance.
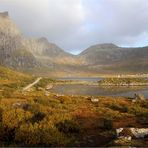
117 107
106 123
40 135
13 118
39 116
138 111
68 127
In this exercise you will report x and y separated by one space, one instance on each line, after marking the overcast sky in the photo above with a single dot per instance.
75 25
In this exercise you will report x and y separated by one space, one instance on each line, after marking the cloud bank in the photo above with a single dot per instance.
76 24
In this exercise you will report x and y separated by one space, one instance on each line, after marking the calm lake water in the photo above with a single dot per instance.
81 79
76 89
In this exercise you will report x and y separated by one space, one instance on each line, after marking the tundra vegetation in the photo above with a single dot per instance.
124 81
39 118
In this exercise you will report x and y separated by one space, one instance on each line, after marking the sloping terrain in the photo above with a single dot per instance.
10 79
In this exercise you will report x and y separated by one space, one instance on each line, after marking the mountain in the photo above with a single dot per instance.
111 58
56 60
12 51
31 55
39 56
101 54
50 52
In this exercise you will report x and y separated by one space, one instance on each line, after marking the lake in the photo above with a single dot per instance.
91 90
81 79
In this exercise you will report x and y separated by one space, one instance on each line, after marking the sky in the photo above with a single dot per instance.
74 25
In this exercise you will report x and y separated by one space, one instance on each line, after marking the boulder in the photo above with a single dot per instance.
139 132
126 133
94 100
128 138
139 97
118 131
48 87
22 105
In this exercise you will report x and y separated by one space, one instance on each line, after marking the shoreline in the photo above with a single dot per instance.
136 84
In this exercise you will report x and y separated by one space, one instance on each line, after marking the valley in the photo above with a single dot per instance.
49 97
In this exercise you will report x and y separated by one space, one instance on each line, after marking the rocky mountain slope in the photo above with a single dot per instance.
31 55
12 51
49 52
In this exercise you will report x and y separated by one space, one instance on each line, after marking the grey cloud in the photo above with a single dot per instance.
76 24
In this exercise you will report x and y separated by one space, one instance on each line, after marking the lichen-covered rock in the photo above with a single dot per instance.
132 132
94 100
139 132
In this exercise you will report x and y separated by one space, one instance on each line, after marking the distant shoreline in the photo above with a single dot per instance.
114 81
123 82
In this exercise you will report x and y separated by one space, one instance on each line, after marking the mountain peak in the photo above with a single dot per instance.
43 39
106 45
4 14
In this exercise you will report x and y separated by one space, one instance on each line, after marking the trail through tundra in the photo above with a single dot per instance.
32 84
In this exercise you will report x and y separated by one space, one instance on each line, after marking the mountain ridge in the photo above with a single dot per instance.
40 56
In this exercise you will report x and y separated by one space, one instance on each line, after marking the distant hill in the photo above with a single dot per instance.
111 58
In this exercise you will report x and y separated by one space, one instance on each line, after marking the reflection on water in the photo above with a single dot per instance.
81 79
71 89
77 89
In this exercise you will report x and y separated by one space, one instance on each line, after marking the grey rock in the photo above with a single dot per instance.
48 87
20 105
129 138
94 100
129 133
139 97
